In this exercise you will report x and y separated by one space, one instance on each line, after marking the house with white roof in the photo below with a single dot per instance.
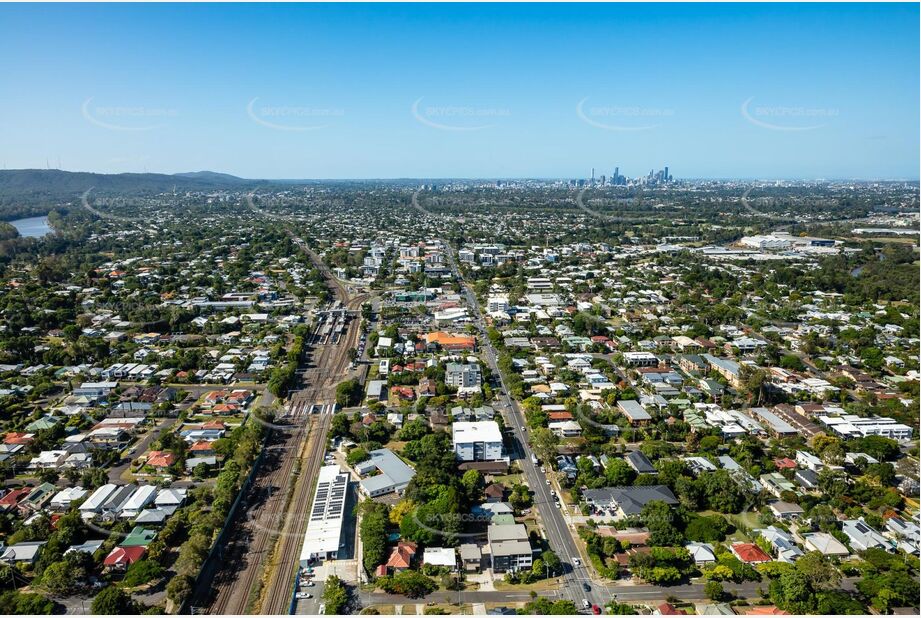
702 553
825 544
861 536
781 543
440 556
61 501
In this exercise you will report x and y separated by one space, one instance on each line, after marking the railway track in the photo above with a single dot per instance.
244 555
287 551
267 546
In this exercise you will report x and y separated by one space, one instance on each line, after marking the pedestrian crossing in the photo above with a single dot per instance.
299 408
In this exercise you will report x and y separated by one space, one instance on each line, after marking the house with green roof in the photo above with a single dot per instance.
139 536
45 422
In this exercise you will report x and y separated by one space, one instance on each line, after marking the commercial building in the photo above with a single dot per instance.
324 529
393 473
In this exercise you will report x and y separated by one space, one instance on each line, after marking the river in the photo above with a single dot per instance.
32 227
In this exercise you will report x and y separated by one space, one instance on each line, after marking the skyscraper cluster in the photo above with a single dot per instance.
617 179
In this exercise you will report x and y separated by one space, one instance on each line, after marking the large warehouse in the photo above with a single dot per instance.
326 516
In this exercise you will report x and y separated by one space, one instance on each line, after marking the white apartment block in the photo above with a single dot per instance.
477 441
853 426
497 303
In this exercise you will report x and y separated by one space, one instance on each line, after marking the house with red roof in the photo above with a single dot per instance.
225 408
785 463
765 610
240 397
403 392
667 609
213 397
121 558
401 557
161 459
202 448
15 437
12 499
749 553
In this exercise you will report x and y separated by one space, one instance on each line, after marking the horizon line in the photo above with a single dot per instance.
190 175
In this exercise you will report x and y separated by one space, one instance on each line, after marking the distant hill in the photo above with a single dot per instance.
47 187
216 177
27 192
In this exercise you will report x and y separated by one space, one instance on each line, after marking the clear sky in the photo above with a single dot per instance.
385 91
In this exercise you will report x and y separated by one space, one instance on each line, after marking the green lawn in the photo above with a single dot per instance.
749 519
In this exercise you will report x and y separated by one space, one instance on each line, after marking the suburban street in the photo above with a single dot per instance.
623 592
559 536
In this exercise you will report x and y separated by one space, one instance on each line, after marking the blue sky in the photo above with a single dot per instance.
385 91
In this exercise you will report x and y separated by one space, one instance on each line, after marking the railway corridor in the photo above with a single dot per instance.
260 562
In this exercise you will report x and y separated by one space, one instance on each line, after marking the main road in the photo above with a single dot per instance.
628 592
559 536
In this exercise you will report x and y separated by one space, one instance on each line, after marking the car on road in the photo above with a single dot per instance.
304 595
309 585
576 561
596 610
543 470
548 481
585 604
586 587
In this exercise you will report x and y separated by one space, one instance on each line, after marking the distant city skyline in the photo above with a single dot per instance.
727 91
